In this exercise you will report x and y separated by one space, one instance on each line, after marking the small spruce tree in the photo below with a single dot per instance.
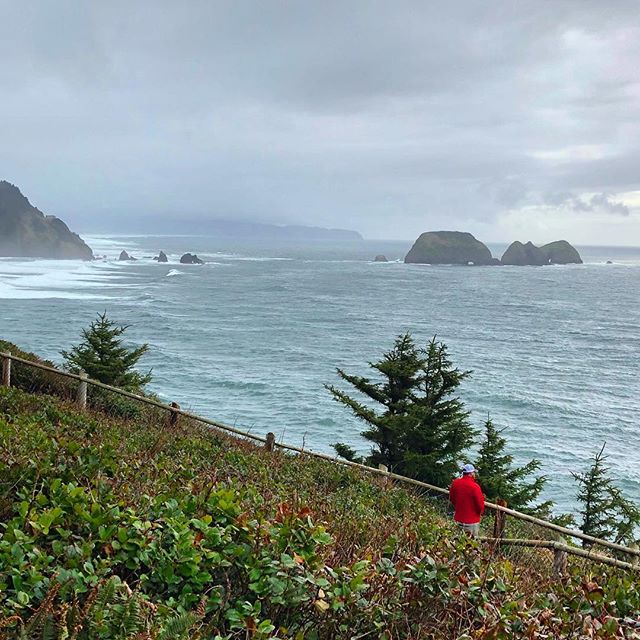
628 518
594 494
102 356
421 428
500 479
346 452
605 512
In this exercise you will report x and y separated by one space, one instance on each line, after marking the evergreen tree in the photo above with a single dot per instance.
605 512
500 479
421 429
103 357
594 494
628 518
437 430
346 452
400 369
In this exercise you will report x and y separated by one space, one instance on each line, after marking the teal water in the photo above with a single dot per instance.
251 337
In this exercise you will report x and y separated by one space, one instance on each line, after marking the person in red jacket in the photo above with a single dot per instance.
466 496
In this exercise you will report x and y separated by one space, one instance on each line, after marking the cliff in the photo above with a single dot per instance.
27 232
449 247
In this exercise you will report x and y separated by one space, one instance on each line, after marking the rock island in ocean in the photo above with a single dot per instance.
449 247
460 247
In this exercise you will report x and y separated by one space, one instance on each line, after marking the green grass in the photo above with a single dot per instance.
120 528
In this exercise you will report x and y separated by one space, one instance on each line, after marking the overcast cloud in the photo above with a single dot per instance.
513 120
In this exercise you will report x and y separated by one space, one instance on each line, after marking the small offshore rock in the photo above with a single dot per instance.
189 258
161 257
380 258
125 256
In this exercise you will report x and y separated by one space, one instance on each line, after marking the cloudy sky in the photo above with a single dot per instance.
513 120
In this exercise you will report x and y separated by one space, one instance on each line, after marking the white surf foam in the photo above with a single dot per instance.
70 279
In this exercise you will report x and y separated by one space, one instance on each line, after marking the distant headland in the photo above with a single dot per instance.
459 247
237 231
26 232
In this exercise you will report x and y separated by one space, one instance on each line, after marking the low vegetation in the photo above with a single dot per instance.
120 528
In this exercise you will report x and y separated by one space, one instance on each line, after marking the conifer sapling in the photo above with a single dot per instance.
500 479
102 356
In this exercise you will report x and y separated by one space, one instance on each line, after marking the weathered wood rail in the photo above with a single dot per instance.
560 549
269 442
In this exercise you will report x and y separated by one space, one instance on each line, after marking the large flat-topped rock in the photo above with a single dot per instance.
449 247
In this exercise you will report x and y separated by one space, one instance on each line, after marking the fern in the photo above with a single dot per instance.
128 619
50 629
41 619
106 593
179 625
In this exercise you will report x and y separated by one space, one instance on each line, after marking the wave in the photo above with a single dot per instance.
9 292
174 272
29 278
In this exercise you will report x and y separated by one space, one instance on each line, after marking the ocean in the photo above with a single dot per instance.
251 337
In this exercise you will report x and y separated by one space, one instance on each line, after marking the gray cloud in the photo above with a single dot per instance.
598 203
390 118
602 202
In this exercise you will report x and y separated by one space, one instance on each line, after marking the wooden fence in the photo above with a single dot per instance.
501 511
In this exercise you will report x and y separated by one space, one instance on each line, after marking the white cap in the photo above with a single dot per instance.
468 468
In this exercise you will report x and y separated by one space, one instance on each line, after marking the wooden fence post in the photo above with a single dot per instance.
559 562
174 416
500 520
81 396
6 369
270 444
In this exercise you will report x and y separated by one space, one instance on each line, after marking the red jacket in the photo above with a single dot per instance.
466 495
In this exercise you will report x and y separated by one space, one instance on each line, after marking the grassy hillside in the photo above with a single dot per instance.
120 528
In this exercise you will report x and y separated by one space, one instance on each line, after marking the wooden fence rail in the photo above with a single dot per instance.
564 548
270 443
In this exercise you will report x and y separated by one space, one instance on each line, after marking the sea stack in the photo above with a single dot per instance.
125 256
521 255
26 232
161 257
380 258
561 252
449 247
189 258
